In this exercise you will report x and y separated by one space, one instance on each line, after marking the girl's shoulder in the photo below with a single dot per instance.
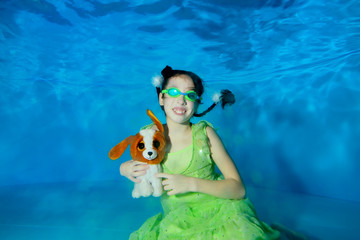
200 130
202 125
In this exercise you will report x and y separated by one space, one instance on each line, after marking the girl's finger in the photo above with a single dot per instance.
139 163
139 173
165 182
171 192
140 167
135 180
162 175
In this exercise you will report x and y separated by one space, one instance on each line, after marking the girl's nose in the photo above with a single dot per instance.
182 99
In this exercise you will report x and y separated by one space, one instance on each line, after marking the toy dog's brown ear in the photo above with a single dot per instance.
155 120
120 148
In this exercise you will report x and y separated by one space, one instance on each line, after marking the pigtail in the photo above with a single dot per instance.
226 97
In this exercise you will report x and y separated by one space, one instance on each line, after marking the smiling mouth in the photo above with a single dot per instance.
179 111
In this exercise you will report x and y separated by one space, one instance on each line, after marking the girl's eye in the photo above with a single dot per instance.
156 144
141 145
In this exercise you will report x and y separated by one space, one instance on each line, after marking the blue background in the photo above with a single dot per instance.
76 75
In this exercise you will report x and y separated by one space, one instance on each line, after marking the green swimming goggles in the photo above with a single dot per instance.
189 95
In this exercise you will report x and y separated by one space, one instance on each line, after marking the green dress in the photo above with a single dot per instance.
202 216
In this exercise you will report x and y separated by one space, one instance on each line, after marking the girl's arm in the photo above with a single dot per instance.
231 187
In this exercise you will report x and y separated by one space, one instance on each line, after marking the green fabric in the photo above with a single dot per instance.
177 162
201 216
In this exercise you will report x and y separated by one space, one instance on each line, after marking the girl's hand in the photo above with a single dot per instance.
133 169
175 183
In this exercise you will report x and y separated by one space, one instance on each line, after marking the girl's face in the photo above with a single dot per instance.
179 109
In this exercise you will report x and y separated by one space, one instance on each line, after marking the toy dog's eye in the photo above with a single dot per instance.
156 144
141 145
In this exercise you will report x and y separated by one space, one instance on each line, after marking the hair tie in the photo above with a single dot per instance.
216 98
157 81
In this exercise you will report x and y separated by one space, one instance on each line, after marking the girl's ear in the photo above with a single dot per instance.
161 99
120 148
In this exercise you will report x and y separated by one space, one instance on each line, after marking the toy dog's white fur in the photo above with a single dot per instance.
149 185
147 146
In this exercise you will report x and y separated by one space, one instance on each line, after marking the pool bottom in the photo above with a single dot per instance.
105 210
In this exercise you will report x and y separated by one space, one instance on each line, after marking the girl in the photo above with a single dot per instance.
198 203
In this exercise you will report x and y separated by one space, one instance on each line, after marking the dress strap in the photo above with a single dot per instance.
201 140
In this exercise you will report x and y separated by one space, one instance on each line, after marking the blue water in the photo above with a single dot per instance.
75 78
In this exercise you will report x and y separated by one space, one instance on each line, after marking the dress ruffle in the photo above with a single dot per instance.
213 219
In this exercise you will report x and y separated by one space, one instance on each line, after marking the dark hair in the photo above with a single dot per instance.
226 97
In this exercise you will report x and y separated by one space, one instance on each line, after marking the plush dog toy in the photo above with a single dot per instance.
147 146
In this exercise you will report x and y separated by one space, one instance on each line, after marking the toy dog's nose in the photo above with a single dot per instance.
150 154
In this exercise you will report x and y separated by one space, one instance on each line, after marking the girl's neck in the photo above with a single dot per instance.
177 128
178 136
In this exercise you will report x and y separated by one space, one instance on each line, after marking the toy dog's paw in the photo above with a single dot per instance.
146 192
157 193
135 194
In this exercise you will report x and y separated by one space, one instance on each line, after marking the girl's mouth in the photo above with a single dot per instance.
179 111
